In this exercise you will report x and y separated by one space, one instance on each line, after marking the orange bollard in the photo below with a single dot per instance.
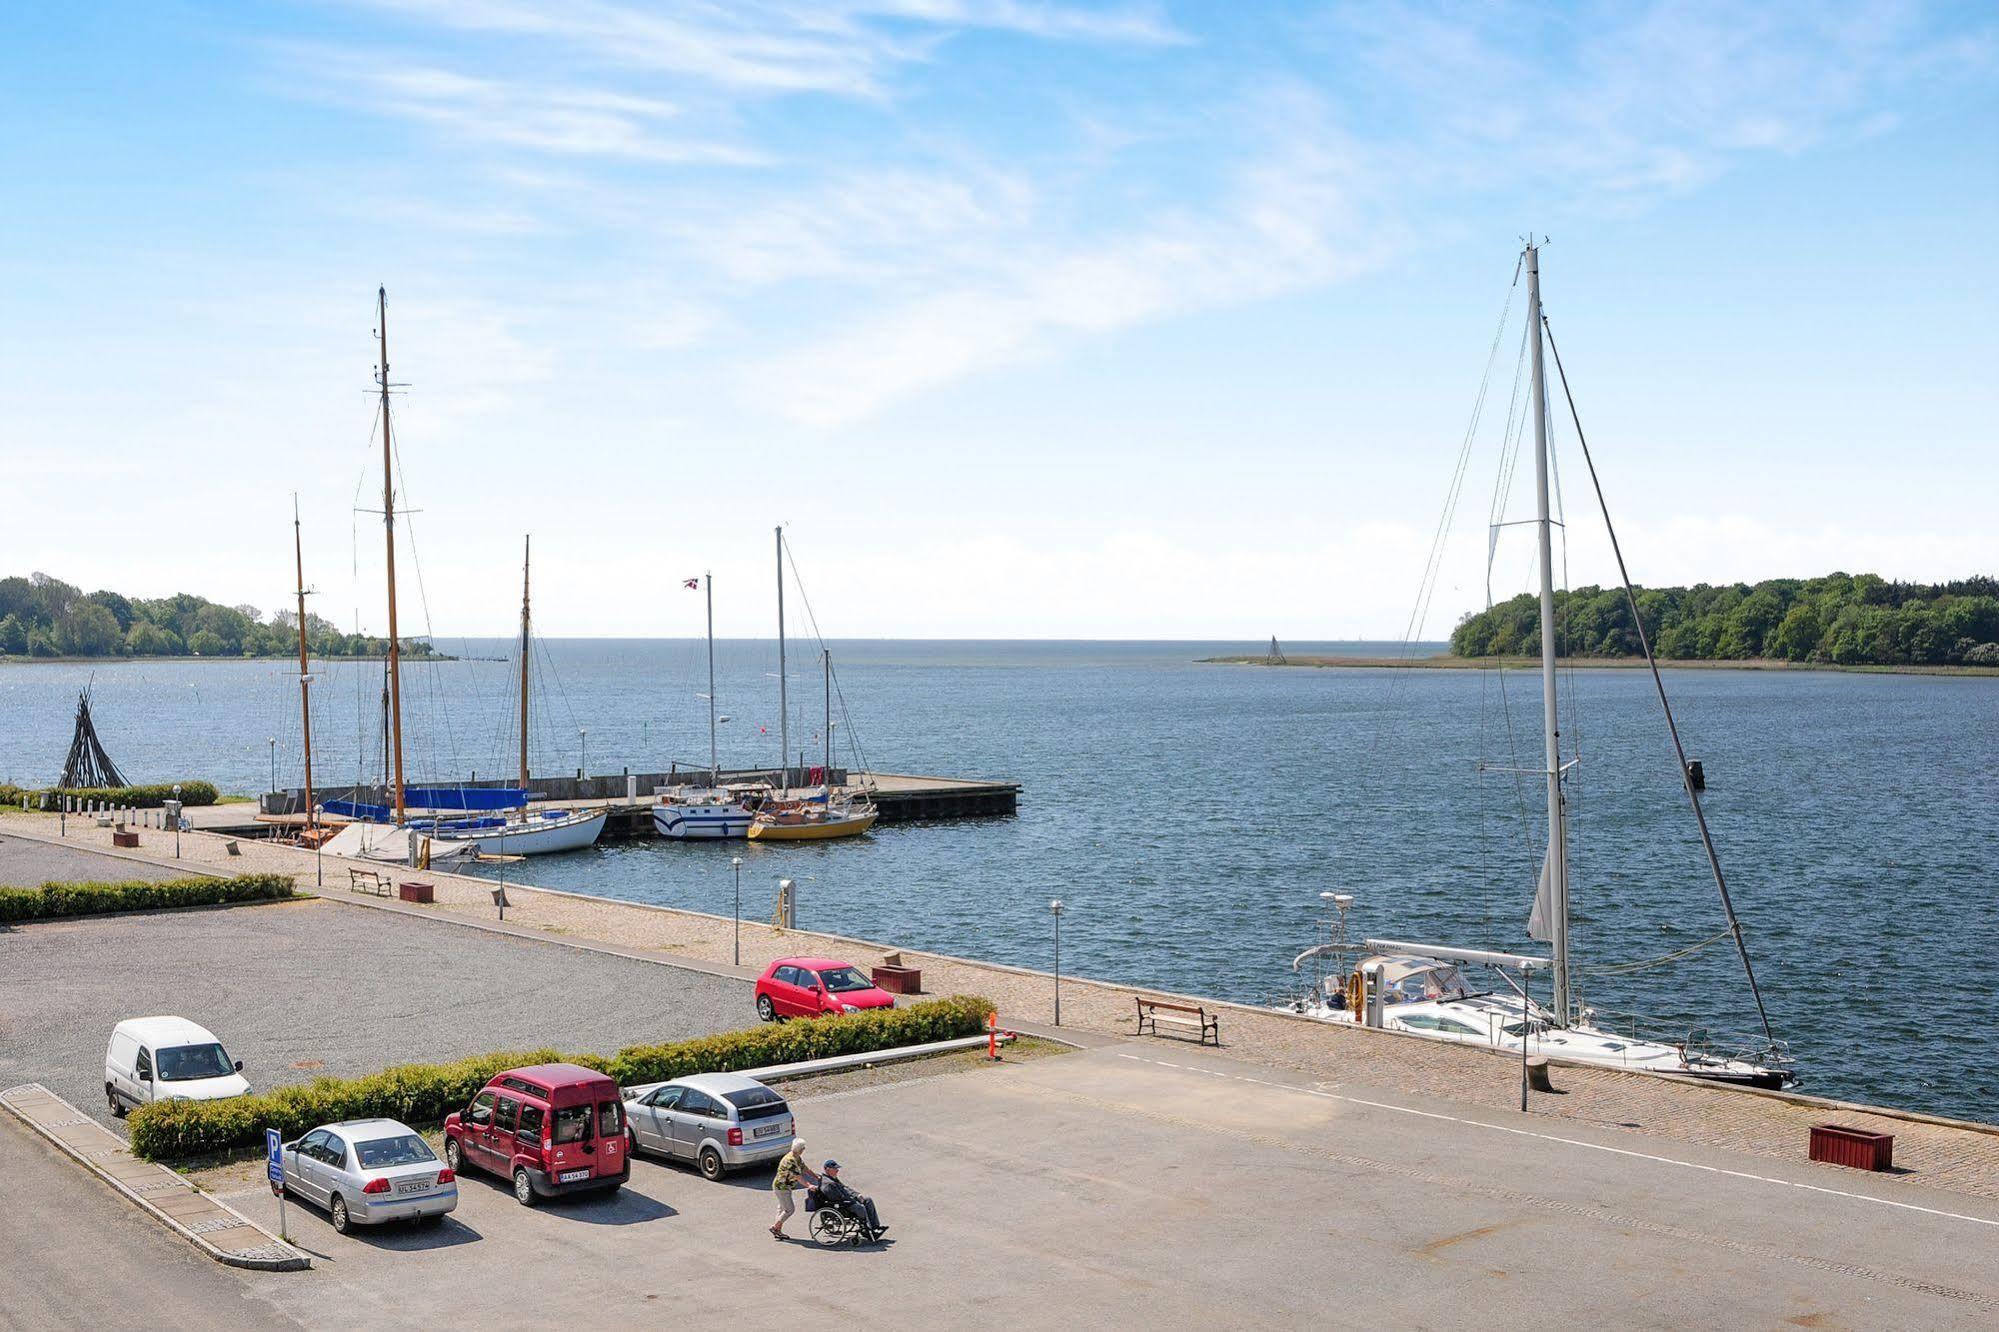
992 1036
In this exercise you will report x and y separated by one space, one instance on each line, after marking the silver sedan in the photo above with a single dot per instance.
367 1171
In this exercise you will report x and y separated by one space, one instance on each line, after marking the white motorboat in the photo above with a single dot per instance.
525 832
697 813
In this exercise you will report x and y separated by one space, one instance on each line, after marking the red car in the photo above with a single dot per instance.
813 986
550 1128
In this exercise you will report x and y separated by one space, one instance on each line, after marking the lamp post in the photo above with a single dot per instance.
318 868
736 862
582 759
1055 910
176 820
274 763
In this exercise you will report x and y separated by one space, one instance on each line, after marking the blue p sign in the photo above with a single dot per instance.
274 1156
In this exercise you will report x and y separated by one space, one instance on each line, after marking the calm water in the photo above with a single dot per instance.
1189 815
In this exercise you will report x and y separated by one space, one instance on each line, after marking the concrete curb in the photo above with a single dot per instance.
840 1063
282 1256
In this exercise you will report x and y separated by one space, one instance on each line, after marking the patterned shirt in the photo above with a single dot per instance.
788 1172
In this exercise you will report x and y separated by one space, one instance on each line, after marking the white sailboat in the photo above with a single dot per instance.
709 811
1423 990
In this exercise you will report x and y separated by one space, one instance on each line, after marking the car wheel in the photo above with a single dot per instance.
117 1106
339 1210
523 1188
765 1009
454 1156
711 1165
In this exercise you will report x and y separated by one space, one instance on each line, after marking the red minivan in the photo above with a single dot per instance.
551 1128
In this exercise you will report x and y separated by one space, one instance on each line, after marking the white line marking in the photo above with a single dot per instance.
1573 1142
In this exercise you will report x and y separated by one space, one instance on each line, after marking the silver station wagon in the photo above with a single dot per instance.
719 1121
367 1171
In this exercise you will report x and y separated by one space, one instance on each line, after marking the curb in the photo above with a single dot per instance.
291 1260
839 1063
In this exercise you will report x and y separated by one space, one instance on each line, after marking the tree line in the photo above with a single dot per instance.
1840 619
42 616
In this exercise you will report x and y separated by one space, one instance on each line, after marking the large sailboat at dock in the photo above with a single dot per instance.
1426 990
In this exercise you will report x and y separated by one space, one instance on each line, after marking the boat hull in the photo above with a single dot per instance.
765 830
694 823
530 837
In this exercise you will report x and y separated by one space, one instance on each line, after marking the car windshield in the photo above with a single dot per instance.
842 979
186 1063
401 1150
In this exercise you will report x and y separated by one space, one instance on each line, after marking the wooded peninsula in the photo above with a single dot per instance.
1840 620
42 616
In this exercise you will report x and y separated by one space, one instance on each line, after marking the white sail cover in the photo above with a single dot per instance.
385 842
1540 921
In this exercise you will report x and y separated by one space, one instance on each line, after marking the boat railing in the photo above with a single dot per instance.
1696 1039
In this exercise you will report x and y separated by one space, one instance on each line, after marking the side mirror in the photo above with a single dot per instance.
239 1066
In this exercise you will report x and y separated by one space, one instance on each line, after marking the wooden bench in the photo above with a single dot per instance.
369 881
1190 1017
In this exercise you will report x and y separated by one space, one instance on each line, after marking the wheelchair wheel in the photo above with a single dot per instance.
829 1227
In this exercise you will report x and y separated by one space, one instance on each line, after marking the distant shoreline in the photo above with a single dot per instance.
22 660
1444 661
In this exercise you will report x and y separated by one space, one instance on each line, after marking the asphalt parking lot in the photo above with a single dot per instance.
27 862
1142 1184
303 988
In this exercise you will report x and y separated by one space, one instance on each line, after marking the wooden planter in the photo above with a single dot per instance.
125 837
1853 1147
899 980
411 891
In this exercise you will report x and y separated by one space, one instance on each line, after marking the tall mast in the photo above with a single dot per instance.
1558 842
714 763
304 670
783 695
826 773
526 542
389 527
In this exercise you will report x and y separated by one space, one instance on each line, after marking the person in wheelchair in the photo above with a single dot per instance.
834 1193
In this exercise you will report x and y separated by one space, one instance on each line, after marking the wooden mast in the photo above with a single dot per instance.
525 545
389 527
304 669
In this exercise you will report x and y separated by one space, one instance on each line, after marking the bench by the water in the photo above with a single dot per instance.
369 881
1188 1017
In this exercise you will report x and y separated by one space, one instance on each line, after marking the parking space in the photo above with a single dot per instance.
28 862
303 988
1099 1189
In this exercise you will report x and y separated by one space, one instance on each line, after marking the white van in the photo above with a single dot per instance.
167 1059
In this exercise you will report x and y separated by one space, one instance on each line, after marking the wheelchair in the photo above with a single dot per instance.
841 1223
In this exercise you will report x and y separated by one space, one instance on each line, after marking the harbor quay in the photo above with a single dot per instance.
1301 1173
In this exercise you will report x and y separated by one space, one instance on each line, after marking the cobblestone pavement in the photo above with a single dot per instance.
1939 1155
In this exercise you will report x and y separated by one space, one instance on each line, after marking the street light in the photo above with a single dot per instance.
583 759
176 820
737 863
319 822
1055 910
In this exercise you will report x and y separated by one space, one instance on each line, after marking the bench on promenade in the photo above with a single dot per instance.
1187 1017
370 881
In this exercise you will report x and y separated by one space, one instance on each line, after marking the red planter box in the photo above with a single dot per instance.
899 980
125 837
412 891
1852 1147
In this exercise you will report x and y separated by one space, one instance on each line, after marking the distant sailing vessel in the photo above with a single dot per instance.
1422 990
814 818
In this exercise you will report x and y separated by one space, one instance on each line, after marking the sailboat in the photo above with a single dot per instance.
509 827
711 811
1424 990
819 817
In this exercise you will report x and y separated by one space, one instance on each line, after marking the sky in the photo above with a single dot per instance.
1025 318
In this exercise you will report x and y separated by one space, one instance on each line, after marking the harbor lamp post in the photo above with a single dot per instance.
1055 910
176 820
274 763
582 759
318 868
736 862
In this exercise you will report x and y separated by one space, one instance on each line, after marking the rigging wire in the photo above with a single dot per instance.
1659 684
853 732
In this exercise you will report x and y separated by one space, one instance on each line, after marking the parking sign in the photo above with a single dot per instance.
274 1157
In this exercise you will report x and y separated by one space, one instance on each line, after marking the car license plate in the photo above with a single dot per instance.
571 1176
413 1186
766 1131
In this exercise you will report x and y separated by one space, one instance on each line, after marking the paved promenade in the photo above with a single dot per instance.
1938 1155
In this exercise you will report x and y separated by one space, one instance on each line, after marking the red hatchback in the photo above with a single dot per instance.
814 986
550 1128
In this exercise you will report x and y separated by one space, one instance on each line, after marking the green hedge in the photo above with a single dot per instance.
133 797
84 899
421 1095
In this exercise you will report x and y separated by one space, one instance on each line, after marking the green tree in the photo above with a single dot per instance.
13 635
1797 637
119 607
91 631
207 643
146 639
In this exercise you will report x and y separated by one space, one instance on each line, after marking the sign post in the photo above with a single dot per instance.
274 1166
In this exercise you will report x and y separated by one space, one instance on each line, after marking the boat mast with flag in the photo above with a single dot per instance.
1424 990
705 811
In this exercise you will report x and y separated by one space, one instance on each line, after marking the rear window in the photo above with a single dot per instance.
572 1123
756 1103
401 1150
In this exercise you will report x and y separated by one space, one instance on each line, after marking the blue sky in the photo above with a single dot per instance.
1028 319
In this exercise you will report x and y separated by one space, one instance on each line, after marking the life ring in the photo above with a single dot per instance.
1355 995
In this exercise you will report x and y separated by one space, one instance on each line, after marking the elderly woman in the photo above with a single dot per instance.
791 1172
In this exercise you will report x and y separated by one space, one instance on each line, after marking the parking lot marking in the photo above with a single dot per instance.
1571 1142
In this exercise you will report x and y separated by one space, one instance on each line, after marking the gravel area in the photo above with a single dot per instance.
303 988
27 863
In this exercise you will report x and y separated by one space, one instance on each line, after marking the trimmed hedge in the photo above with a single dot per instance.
421 1095
86 899
133 797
